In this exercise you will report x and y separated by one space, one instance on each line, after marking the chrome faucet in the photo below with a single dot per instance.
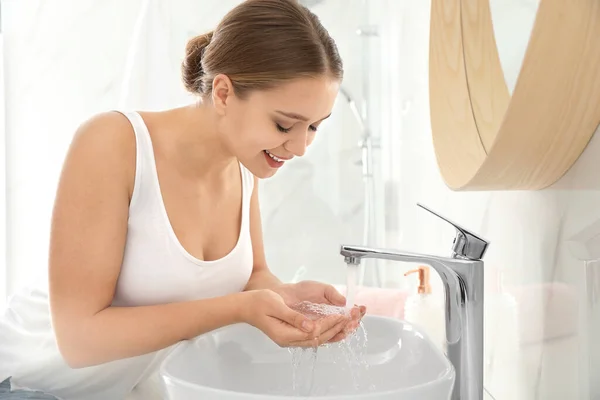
462 276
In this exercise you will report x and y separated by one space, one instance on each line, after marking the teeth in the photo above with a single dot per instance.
273 157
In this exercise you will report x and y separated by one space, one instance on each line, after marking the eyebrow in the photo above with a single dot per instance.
298 116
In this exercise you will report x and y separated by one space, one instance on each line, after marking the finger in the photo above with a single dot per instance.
335 334
325 329
324 337
348 330
328 322
331 333
331 328
294 318
358 312
355 313
287 335
334 297
339 337
352 326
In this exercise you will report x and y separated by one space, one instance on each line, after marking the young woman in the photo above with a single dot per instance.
156 234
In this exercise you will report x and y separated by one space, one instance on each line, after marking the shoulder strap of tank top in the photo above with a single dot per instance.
144 155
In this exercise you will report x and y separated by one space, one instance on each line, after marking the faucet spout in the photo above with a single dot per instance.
452 287
463 287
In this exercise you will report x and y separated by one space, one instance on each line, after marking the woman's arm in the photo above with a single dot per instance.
262 277
89 228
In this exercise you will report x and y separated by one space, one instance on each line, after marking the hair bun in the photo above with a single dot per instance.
191 67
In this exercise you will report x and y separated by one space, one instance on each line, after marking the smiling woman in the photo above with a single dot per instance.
156 232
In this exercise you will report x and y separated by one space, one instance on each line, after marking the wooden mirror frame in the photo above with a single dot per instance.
485 139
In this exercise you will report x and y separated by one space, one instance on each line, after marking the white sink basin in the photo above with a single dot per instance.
240 362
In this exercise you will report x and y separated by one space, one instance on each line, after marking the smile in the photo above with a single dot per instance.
274 157
273 160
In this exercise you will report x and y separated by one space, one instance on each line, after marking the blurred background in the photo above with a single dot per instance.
359 183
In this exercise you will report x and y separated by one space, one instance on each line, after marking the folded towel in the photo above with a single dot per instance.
382 302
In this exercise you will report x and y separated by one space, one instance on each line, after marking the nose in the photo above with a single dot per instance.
297 144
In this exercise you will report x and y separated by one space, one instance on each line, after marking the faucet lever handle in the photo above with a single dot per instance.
466 243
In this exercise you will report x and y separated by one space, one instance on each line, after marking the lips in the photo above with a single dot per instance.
278 158
274 157
273 160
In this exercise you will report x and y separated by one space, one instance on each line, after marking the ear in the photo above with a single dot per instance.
222 92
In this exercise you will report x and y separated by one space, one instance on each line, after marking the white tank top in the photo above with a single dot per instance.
156 269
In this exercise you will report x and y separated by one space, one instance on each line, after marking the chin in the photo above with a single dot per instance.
260 168
260 171
264 173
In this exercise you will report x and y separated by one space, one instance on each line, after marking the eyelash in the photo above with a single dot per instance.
286 130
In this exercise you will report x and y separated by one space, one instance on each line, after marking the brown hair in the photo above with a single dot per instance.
259 44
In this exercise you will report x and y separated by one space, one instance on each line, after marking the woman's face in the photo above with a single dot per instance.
272 126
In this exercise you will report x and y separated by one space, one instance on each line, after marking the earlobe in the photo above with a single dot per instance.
221 93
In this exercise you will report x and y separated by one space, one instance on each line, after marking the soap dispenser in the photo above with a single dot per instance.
426 310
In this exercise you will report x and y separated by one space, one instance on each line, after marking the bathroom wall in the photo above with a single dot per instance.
539 240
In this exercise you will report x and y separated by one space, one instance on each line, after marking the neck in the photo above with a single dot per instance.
199 148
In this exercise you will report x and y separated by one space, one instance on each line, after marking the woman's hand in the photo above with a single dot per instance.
267 311
320 293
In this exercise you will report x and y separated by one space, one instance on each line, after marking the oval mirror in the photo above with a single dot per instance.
489 136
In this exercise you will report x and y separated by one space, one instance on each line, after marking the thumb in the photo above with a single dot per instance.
294 318
334 297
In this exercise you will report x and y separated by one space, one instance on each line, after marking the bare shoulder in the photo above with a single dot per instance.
103 147
108 134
